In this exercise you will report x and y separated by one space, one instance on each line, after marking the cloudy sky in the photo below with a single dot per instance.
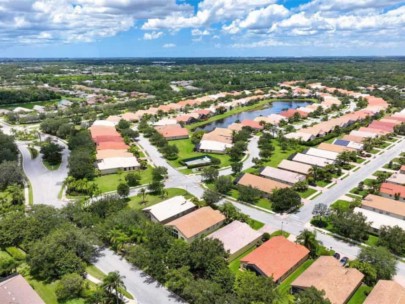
190 28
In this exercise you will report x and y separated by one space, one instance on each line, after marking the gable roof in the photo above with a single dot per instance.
312 160
263 184
169 208
385 204
171 131
276 257
392 189
327 274
386 292
283 175
294 166
334 148
197 221
16 290
235 236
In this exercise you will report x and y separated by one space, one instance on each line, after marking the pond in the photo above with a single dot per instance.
274 107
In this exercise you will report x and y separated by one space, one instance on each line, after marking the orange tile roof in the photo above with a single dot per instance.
110 138
289 113
197 221
385 204
108 145
222 135
102 154
392 189
353 138
263 184
327 274
172 131
334 148
251 123
386 292
276 257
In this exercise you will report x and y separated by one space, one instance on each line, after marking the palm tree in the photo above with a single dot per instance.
308 240
112 283
142 191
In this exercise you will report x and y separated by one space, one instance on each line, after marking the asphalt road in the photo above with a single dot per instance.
144 288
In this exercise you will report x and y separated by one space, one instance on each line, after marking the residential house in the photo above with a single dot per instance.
377 220
312 160
322 153
303 136
277 258
237 238
386 292
265 185
293 166
335 148
327 274
200 222
392 191
172 132
170 209
16 290
216 141
113 164
64 103
397 178
281 175
384 205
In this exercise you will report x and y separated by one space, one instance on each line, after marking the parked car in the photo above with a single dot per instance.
344 261
336 256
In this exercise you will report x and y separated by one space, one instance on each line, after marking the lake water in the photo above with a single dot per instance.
274 107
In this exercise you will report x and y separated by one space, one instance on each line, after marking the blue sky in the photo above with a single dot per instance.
206 28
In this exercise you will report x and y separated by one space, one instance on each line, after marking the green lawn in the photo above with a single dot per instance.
136 201
278 154
307 193
360 160
262 202
234 265
45 291
341 205
186 150
322 183
256 225
110 182
360 295
95 272
286 284
280 232
372 240
49 166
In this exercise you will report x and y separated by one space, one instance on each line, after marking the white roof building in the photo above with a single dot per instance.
21 109
166 122
112 164
322 153
363 134
104 123
170 209
282 175
397 178
312 160
39 109
377 219
213 146
300 136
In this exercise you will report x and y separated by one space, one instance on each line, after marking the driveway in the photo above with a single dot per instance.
45 184
144 288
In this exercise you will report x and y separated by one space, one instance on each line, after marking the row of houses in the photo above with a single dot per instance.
112 152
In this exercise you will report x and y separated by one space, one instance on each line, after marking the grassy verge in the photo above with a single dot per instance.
186 150
95 272
307 193
256 225
286 284
234 265
30 194
135 202
360 295
110 182
50 167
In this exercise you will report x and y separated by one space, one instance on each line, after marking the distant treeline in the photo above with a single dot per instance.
8 96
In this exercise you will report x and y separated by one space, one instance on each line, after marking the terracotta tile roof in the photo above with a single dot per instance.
327 274
111 138
197 221
392 189
220 135
263 184
382 126
386 292
372 130
236 236
172 131
251 123
130 116
16 290
276 257
102 154
356 139
203 112
392 206
334 148
282 175
289 113
108 145
294 166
